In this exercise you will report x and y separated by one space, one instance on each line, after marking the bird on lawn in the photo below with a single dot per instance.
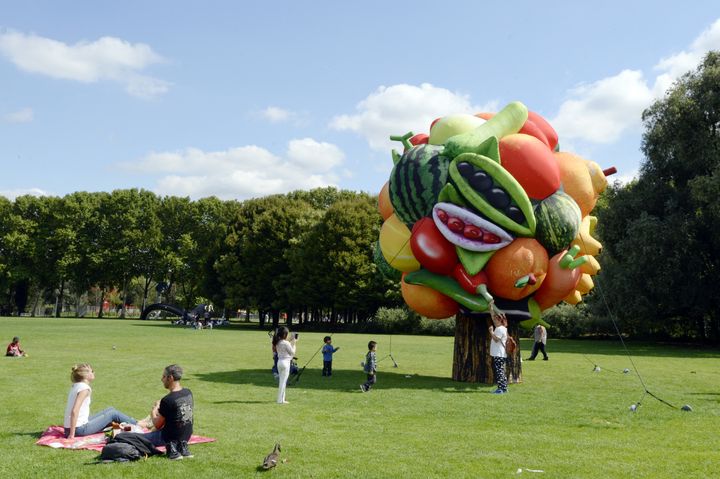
271 459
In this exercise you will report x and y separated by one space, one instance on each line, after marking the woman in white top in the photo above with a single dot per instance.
285 351
78 421
498 336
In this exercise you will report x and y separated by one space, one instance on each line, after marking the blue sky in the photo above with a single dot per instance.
245 99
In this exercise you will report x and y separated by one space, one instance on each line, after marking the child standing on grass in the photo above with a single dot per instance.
498 339
370 367
327 351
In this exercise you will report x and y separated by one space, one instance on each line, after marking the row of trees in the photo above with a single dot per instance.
305 252
310 253
661 233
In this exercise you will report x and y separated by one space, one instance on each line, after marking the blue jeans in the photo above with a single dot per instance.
98 421
371 380
155 438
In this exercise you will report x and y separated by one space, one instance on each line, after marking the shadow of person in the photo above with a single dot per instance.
348 380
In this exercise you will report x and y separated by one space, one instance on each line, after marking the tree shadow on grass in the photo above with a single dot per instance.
342 380
168 323
711 394
613 347
239 402
34 434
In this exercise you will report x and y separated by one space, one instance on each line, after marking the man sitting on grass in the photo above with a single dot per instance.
172 416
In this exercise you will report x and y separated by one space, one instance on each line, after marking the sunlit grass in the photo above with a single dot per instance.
563 419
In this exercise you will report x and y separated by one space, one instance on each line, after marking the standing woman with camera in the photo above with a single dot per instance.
286 352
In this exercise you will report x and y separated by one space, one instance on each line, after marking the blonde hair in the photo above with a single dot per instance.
80 372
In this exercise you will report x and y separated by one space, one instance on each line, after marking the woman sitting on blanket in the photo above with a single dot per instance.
78 421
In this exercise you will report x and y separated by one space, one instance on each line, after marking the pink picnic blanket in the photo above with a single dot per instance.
54 437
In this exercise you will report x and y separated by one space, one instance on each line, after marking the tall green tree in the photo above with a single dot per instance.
661 232
87 260
6 252
133 235
26 223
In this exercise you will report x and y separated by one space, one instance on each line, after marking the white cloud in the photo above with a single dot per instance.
12 194
674 66
277 115
242 172
107 58
600 112
624 178
314 156
21 116
398 109
146 87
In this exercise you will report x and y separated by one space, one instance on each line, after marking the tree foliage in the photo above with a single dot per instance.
662 232
306 254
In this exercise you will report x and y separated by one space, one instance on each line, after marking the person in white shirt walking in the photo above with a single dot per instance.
540 335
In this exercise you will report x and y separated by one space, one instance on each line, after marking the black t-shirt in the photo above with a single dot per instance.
177 409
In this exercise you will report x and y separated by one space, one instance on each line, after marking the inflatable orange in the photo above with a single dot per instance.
522 257
428 302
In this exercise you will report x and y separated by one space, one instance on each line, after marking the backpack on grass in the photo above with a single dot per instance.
128 446
120 452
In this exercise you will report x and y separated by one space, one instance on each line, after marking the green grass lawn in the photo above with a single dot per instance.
564 419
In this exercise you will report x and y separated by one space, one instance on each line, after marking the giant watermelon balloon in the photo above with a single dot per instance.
486 208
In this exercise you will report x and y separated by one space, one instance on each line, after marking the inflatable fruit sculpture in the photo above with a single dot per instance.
486 208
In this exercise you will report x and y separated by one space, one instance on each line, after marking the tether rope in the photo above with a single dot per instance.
624 345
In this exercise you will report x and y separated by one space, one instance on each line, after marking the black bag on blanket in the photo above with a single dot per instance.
128 446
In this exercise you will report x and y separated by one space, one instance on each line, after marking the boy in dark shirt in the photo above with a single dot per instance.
173 415
370 367
327 351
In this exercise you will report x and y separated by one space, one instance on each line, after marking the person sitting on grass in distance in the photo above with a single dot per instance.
78 421
172 416
327 351
14 349
370 367
498 337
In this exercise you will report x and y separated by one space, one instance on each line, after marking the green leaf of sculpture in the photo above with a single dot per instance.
473 261
447 286
508 120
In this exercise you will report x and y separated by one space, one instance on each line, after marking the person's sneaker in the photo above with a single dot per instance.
498 391
362 388
530 359
172 451
545 358
183 449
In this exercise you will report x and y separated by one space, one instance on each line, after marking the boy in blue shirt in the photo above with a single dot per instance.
370 367
328 352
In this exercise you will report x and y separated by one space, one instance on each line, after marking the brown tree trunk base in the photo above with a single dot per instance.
471 358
